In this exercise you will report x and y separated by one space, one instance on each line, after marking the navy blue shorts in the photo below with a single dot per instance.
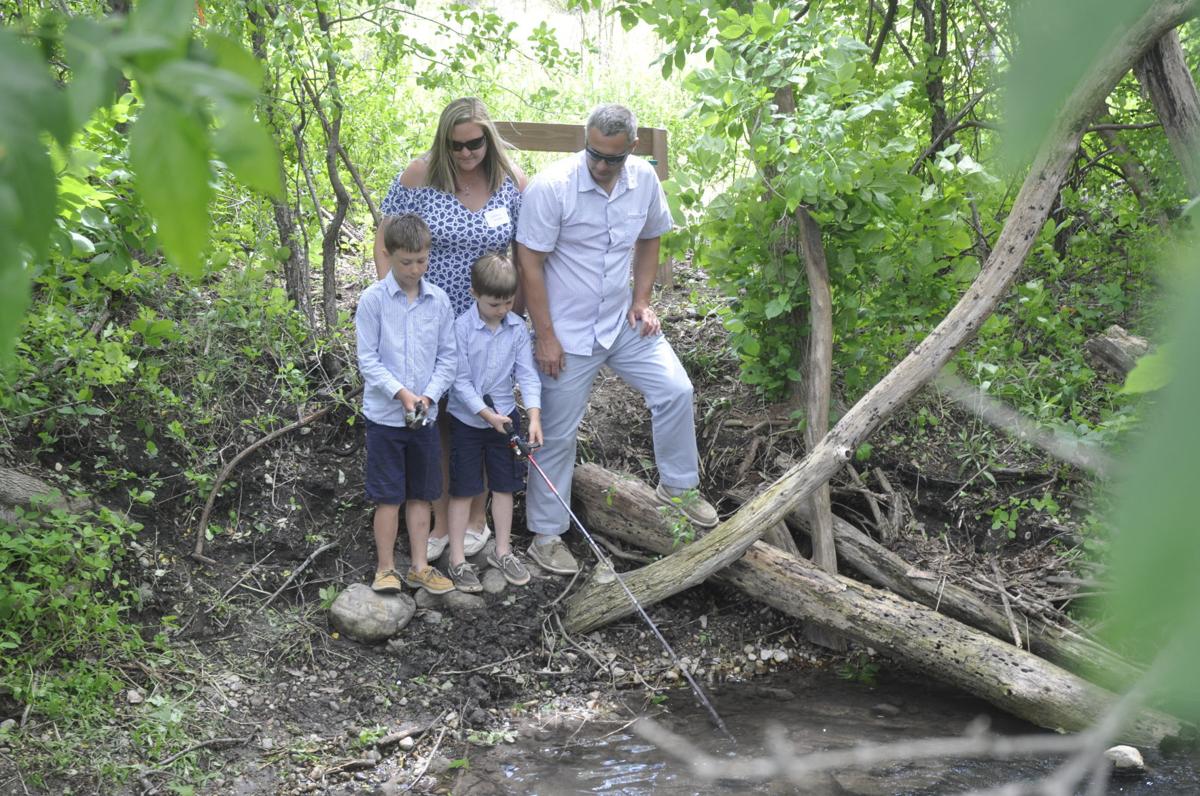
473 449
403 464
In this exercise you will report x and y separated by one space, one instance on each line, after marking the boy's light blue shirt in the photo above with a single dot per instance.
487 360
403 344
589 236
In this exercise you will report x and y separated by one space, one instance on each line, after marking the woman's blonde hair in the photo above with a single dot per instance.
442 172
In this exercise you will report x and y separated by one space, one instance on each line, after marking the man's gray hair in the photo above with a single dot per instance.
610 119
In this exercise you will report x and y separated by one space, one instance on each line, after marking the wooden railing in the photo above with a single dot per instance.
551 137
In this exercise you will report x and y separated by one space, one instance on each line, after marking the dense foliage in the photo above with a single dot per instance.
188 195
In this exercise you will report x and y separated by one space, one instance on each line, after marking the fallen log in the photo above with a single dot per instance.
860 553
1066 648
1117 349
729 540
1015 681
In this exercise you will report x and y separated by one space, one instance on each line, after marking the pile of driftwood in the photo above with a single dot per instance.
935 628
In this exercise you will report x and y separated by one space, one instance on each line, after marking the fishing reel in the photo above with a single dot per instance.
419 417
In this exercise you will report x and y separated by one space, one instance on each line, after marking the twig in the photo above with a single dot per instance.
202 526
161 767
616 550
428 760
311 557
872 503
1008 612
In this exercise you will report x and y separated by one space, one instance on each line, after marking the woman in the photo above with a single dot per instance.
469 193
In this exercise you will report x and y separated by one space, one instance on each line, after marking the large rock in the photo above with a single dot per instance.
361 614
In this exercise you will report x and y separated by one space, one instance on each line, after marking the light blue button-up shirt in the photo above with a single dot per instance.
589 236
487 361
403 344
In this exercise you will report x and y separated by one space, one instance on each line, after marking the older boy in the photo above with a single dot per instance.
405 331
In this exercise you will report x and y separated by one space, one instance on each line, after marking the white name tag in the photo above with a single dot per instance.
497 216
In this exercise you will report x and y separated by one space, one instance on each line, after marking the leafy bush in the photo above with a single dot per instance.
62 605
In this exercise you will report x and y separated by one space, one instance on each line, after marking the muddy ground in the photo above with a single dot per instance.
278 703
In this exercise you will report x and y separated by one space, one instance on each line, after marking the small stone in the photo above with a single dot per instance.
426 600
407 743
749 651
462 602
493 581
257 701
372 755
134 697
1125 759
7 726
781 656
617 671
884 709
266 744
432 617
362 614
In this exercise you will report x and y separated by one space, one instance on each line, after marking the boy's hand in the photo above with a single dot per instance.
495 420
408 398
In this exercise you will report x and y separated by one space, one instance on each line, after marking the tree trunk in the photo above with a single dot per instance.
1164 74
818 379
729 540
939 646
1135 176
295 265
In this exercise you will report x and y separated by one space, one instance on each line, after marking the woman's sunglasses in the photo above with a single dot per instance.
473 144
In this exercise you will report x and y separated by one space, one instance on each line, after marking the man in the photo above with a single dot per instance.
583 221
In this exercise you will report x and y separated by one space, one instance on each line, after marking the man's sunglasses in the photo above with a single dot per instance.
612 160
473 144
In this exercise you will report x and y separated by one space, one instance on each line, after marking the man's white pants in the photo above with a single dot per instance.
649 365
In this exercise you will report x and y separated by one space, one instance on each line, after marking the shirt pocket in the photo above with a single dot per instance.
631 225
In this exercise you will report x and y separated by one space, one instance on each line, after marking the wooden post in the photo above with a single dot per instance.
554 137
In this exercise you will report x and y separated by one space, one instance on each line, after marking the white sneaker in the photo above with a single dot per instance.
475 540
435 547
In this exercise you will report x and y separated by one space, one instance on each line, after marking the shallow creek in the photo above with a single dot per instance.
819 711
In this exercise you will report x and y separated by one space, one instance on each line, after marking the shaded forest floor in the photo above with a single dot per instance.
271 700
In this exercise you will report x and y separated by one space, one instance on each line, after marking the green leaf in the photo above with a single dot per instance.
28 95
1155 554
249 151
204 80
169 153
93 76
232 57
777 306
1048 65
170 18
1152 372
27 183
14 298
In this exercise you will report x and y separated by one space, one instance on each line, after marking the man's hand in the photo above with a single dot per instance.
647 316
549 356
535 431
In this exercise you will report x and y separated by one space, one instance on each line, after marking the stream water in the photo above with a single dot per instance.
819 711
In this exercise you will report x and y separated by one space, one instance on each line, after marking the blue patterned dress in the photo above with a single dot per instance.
460 236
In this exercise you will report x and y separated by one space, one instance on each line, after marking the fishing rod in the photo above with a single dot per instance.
524 450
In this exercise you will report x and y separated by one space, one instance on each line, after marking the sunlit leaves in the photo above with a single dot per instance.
168 151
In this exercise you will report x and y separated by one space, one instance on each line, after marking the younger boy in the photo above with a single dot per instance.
492 342
405 331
